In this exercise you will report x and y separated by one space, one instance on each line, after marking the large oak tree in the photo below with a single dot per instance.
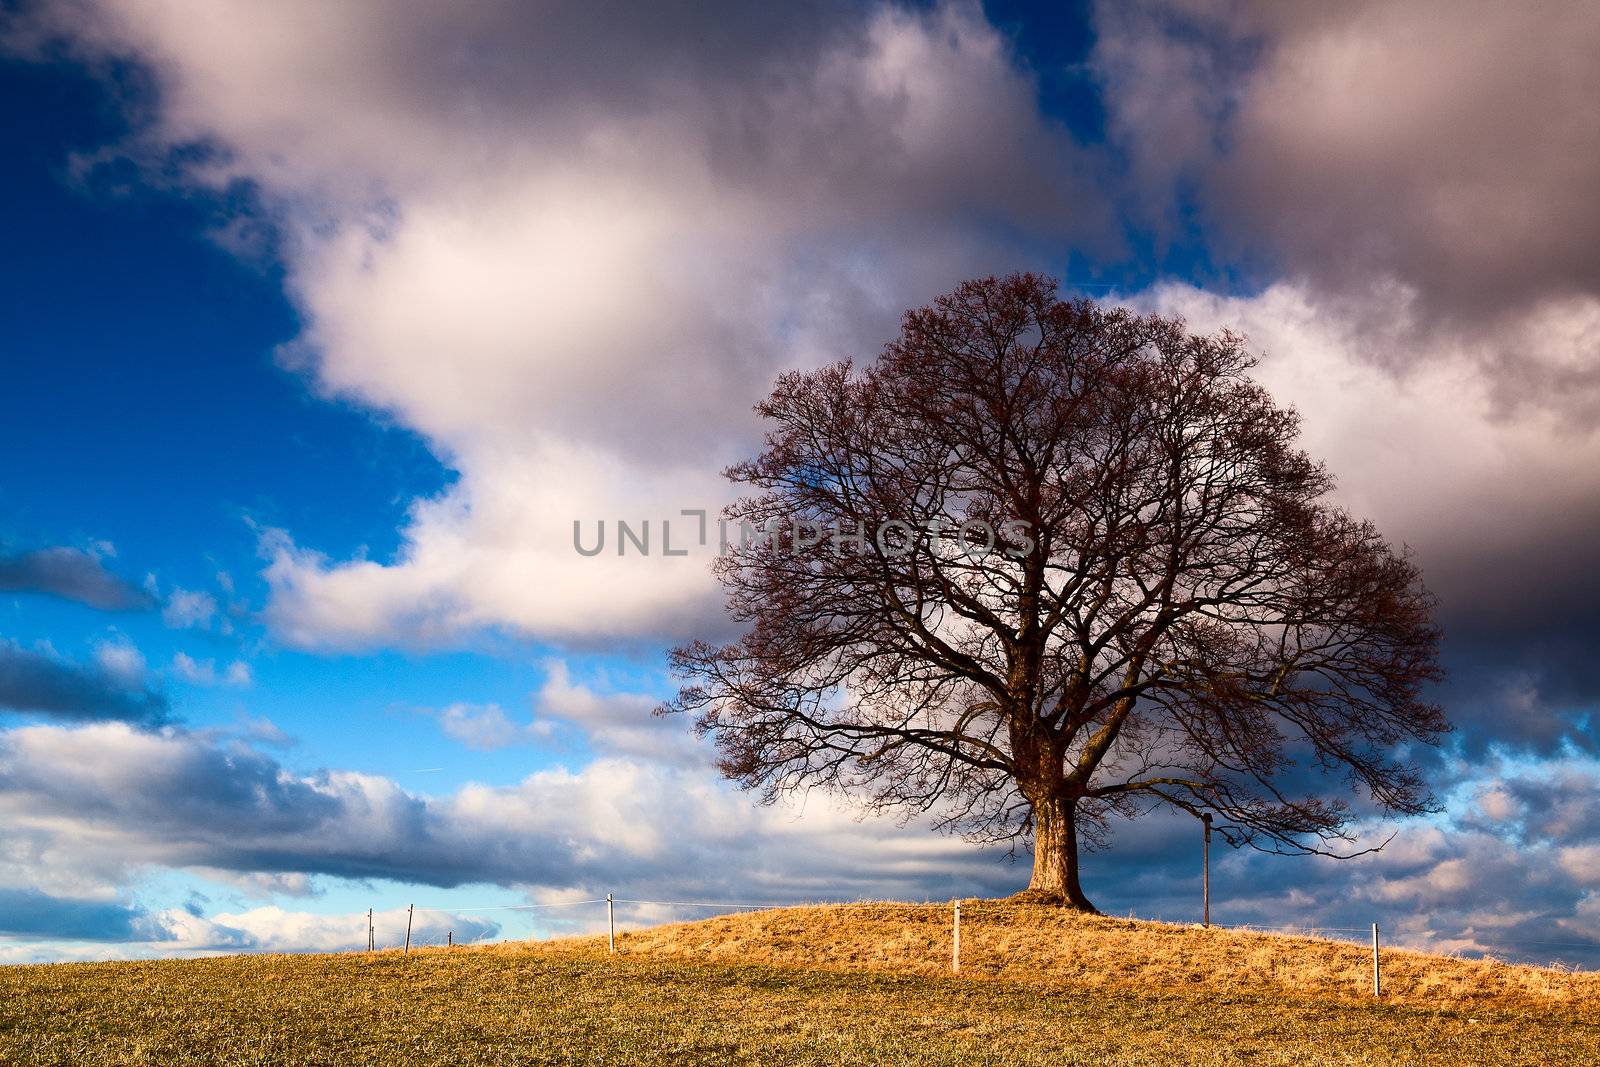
1045 562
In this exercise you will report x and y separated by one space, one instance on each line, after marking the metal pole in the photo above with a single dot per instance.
611 924
1377 975
1206 870
371 945
410 908
955 947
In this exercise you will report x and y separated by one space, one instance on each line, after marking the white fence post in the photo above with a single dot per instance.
611 924
1377 975
955 946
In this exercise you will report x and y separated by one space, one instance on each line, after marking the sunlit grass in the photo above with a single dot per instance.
1006 939
814 986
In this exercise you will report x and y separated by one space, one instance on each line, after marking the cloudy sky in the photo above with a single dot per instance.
322 323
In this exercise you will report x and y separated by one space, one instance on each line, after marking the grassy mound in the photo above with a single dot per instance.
1033 942
814 986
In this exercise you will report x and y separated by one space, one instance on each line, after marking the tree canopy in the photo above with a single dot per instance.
1045 562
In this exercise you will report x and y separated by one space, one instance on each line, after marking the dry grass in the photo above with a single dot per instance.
813 986
1033 942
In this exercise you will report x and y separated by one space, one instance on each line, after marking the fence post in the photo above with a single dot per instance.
1206 871
410 908
1377 975
371 942
955 946
449 939
611 924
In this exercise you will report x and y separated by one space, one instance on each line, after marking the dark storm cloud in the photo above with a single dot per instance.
1520 609
1419 175
70 574
42 682
1449 143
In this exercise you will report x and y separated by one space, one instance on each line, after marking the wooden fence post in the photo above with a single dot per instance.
1205 919
449 939
611 924
371 942
410 908
955 945
1377 975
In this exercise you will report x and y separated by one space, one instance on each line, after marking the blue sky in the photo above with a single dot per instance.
321 326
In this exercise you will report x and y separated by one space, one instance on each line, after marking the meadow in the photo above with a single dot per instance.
853 985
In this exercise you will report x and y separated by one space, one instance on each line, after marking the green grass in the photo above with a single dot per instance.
577 1005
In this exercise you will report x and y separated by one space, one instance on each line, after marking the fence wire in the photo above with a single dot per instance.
431 936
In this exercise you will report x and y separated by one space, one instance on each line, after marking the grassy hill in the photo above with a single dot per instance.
817 986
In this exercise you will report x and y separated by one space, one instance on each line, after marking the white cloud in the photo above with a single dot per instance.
615 722
1582 862
194 672
1498 804
95 807
262 731
1496 507
483 726
612 722
99 805
273 929
258 885
575 279
204 672
177 932
189 609
122 662
1437 146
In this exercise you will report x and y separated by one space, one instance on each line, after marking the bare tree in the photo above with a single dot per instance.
1045 562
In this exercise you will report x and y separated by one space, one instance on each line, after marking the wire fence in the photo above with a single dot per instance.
409 927
1518 947
441 926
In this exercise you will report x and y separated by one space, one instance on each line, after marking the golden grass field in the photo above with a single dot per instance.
826 985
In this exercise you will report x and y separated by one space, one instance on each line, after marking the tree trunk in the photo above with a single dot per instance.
1055 855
